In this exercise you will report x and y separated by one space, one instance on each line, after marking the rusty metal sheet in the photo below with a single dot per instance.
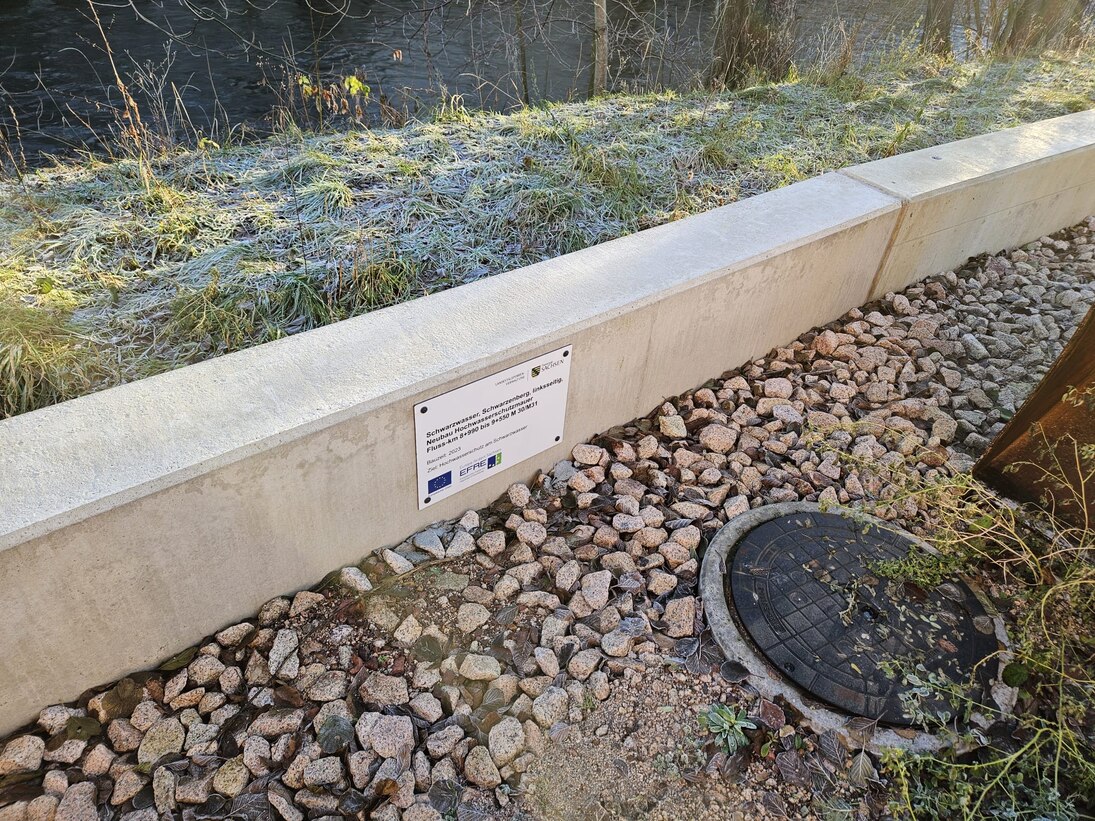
1044 435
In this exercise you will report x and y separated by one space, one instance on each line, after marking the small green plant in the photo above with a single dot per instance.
325 196
665 766
452 110
589 703
727 725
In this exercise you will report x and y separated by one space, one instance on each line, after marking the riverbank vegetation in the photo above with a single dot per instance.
112 271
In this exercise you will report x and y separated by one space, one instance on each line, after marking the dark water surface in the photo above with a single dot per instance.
218 64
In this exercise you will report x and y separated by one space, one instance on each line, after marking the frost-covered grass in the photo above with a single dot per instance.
106 277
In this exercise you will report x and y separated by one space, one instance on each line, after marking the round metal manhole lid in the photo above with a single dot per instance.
808 590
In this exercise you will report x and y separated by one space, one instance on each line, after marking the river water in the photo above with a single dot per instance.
220 63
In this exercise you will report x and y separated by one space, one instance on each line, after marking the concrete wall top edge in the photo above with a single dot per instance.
64 463
931 171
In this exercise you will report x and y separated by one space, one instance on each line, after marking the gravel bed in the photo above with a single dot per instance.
546 657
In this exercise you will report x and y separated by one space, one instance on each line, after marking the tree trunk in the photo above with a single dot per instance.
938 21
751 36
729 29
522 51
1031 26
600 46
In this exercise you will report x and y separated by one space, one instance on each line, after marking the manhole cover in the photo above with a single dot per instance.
808 591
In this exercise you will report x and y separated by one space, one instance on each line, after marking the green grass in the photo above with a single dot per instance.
232 247
42 361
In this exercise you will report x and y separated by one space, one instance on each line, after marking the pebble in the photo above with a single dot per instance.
426 707
355 580
660 583
624 523
461 544
672 426
284 806
778 388
124 737
408 631
735 506
194 790
328 686
274 610
127 785
550 706
97 761
533 534
519 495
78 803
385 690
480 668
480 770
398 564
596 587
392 736
274 723
568 576
164 783
470 617
583 663
442 742
680 615
54 719
22 755
231 777
165 737
322 772
204 670
588 454
973 347
68 752
304 601
430 543
44 808
547 661
285 645
506 740
718 438
257 754
492 543
55 782
616 643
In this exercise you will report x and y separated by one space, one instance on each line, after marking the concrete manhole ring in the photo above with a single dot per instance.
790 592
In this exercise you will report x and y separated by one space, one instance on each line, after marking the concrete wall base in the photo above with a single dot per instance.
141 517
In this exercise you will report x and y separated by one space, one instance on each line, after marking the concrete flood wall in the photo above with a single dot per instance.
138 519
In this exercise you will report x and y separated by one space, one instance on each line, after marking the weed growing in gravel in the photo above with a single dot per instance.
727 725
188 254
1039 569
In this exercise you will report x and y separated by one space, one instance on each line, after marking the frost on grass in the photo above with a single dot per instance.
107 279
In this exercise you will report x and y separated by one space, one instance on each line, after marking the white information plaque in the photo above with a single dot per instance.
464 436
